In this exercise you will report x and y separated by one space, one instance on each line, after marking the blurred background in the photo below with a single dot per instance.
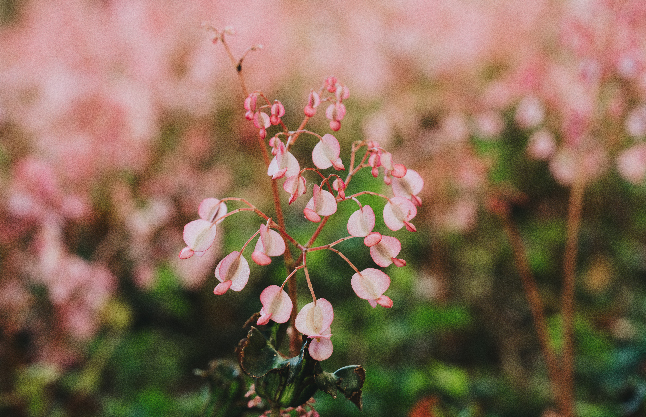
117 117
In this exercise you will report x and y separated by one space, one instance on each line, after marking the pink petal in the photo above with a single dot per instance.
233 267
385 301
272 241
295 186
370 284
186 253
397 211
315 318
385 251
284 164
361 222
212 209
260 257
372 239
326 153
276 303
222 287
311 215
409 185
321 349
199 235
322 202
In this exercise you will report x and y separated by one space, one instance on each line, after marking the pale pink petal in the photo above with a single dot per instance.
410 185
320 348
631 163
397 211
361 222
222 287
199 235
260 257
284 164
385 251
311 215
326 153
276 303
295 186
186 253
370 284
212 209
315 318
322 202
234 267
372 239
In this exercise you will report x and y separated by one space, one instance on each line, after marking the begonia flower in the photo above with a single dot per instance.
232 272
322 203
270 243
314 321
277 111
276 305
370 284
284 164
385 251
340 187
326 153
200 234
398 212
408 186
313 101
335 113
361 222
295 186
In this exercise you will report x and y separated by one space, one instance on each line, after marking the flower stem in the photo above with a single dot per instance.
567 301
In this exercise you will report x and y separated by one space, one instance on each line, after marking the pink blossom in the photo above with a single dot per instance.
541 145
631 163
322 203
385 251
232 272
276 305
370 284
361 222
269 244
314 320
277 111
200 234
326 153
398 212
284 164
295 186
313 101
409 186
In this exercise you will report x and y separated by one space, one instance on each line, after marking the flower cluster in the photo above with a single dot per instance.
315 318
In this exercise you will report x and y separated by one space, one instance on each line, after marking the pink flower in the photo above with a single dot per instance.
200 234
385 250
398 212
408 186
326 153
269 244
322 203
370 284
335 113
295 186
361 222
314 320
284 164
232 272
276 305
277 111
313 101
631 163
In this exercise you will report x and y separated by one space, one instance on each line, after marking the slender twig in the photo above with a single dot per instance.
567 301
535 304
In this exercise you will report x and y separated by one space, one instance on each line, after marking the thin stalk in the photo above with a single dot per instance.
567 301
535 305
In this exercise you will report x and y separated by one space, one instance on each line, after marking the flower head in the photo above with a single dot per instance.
232 272
314 320
276 305
370 284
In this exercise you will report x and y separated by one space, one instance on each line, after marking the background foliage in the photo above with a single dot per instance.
118 117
